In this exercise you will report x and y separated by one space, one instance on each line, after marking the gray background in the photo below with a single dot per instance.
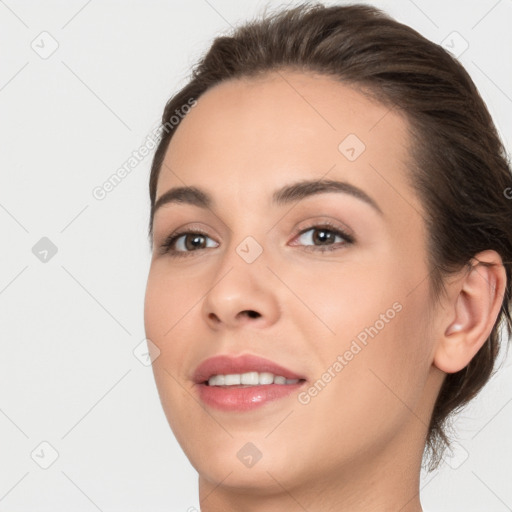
70 324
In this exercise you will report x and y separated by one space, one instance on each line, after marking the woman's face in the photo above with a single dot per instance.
346 313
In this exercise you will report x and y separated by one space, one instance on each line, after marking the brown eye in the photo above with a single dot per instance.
193 241
179 244
324 236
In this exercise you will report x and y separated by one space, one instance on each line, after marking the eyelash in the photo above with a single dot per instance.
166 247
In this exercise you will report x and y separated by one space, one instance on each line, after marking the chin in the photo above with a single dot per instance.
247 463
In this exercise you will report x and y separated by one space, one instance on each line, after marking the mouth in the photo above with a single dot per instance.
246 369
249 379
244 382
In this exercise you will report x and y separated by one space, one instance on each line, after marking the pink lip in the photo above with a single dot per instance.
242 398
225 364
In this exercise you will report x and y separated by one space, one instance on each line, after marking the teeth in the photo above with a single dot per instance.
232 380
249 379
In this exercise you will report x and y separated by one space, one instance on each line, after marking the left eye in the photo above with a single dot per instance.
325 236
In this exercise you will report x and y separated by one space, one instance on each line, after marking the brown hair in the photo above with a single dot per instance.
459 166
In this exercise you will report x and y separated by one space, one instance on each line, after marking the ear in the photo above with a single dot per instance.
475 302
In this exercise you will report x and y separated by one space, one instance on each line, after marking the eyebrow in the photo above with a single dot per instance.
285 195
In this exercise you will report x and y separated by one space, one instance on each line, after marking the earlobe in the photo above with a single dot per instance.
476 300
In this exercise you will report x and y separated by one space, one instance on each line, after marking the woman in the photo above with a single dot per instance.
331 263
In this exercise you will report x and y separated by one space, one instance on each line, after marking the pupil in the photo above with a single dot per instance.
323 237
195 241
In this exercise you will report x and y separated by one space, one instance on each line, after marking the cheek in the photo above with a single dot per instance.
379 327
393 360
169 299
169 307
344 301
371 375
168 317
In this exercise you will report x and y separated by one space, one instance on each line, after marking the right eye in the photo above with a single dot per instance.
181 243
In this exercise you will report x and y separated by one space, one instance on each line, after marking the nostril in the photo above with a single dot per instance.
252 314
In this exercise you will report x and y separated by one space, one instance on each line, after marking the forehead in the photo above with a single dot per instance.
246 137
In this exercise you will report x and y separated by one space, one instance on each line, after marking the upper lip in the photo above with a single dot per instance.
227 364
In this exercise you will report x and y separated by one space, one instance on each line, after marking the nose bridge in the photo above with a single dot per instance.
246 240
249 249
243 264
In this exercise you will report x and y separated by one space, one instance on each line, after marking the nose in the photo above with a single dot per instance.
239 317
242 294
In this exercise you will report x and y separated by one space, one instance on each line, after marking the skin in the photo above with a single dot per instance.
357 445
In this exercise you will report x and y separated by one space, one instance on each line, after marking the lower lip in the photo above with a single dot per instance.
244 398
